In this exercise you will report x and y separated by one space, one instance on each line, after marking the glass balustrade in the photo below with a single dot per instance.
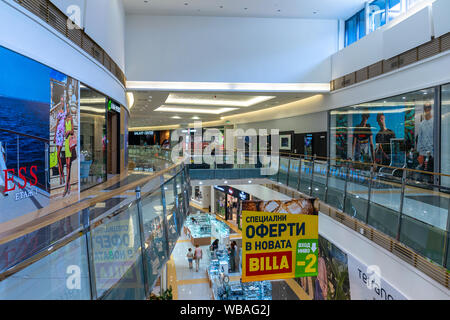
114 250
405 204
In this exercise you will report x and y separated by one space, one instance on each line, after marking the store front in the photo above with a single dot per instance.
228 203
406 131
150 138
201 195
93 139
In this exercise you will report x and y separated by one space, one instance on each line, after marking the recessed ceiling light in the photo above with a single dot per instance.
221 101
195 118
166 108
176 117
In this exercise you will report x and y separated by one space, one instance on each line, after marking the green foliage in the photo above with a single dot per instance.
166 295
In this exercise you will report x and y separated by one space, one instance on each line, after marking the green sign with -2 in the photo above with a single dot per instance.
306 258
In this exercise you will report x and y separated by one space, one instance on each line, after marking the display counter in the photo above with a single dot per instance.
201 228
224 289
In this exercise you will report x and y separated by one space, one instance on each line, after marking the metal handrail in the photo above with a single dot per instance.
87 227
60 214
26 135
436 272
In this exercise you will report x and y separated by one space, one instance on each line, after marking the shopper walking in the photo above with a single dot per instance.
190 257
232 253
237 259
198 256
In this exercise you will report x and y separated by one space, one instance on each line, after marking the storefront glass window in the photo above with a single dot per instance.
397 131
93 138
445 133
221 203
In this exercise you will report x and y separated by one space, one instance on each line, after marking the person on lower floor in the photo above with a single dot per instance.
190 257
232 253
198 254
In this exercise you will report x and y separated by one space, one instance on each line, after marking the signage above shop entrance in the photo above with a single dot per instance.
112 106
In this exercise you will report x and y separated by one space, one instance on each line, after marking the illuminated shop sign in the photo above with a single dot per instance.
143 133
233 192
112 106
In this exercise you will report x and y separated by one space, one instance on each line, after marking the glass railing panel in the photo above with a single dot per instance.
154 234
294 170
306 176
357 195
447 263
336 186
425 201
423 238
116 249
385 200
171 215
319 179
61 275
383 219
284 165
26 246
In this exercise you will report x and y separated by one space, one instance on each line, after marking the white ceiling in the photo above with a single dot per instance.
314 9
143 112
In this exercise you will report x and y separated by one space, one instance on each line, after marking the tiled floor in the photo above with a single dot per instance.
192 285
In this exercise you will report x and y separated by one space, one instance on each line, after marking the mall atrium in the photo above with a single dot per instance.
224 150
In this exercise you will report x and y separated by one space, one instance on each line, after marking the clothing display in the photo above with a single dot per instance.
383 152
425 137
362 146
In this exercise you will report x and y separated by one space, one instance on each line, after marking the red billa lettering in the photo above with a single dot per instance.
268 263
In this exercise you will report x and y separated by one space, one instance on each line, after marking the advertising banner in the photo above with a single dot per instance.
64 127
367 283
38 135
332 280
279 244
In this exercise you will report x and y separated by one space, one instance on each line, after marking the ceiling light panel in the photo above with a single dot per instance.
217 100
166 108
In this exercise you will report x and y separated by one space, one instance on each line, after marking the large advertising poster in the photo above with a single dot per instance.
343 277
332 281
65 93
31 97
279 239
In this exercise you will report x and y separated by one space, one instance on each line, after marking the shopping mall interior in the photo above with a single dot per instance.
156 150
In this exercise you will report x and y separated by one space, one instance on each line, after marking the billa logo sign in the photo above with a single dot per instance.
279 246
